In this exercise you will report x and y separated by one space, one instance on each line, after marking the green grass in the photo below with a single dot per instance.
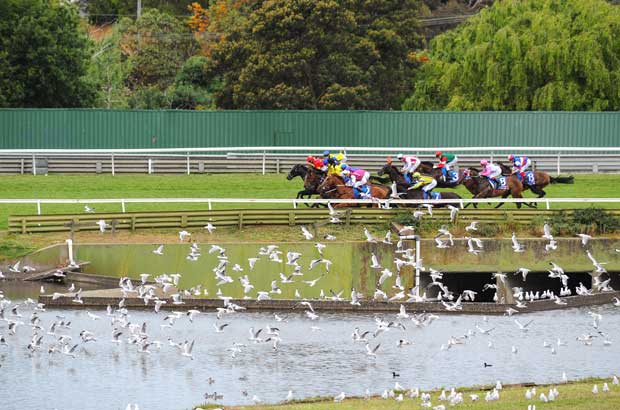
574 396
210 186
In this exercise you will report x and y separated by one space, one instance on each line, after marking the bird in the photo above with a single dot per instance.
473 226
487 365
453 211
547 232
373 351
523 327
88 209
374 262
340 397
306 233
516 246
584 238
102 225
209 227
523 272
183 235
159 250
395 375
369 237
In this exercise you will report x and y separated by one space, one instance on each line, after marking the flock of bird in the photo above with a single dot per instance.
59 338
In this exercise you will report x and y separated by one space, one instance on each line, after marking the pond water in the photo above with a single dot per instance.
311 362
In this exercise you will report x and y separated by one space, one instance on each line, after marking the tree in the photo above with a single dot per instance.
526 55
308 54
155 45
44 55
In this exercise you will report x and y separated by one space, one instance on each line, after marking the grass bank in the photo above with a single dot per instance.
574 395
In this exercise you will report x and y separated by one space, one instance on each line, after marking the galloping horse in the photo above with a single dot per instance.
402 186
541 180
333 187
426 167
480 187
312 179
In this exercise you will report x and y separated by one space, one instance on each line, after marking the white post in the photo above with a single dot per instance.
558 164
188 164
209 202
417 265
70 249
264 154
34 165
113 171
123 205
150 166
38 207
294 204
547 201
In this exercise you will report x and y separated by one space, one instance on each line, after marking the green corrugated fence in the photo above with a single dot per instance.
116 129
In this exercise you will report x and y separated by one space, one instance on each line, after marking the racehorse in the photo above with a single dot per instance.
333 187
402 186
426 167
541 180
481 187
311 176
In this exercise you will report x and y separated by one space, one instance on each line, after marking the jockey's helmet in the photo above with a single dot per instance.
438 154
326 153
309 158
344 166
511 157
399 156
484 162
416 175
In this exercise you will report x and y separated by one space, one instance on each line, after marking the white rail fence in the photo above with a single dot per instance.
275 159
294 203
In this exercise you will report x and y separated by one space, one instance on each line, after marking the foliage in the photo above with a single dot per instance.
526 55
306 54
44 55
106 11
108 71
156 46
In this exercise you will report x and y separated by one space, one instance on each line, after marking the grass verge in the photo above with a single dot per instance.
574 395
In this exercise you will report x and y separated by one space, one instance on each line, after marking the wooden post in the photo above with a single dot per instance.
240 220
291 218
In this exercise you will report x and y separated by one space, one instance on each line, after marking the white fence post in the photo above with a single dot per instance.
558 164
113 171
38 207
123 205
188 168
264 158
34 165
150 166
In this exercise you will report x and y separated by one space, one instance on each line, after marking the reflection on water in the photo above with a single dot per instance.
310 362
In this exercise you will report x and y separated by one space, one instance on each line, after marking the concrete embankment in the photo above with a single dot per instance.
103 298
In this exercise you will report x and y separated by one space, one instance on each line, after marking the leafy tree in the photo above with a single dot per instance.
308 54
108 71
526 55
44 55
155 45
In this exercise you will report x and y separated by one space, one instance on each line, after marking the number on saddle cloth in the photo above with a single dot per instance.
502 183
435 195
453 176
529 178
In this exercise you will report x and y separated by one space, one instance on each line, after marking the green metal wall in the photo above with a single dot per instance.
110 129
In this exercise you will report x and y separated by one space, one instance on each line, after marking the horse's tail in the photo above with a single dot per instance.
563 180
379 180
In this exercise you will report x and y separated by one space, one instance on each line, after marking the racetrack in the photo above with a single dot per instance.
214 186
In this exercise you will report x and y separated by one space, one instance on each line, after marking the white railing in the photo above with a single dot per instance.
385 203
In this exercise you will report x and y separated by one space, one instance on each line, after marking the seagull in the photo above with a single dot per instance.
101 224
516 246
88 209
523 272
306 233
369 237
372 352
552 245
547 232
473 226
184 235
375 262
187 349
523 326
453 212
584 238
159 250
209 227
220 328
339 397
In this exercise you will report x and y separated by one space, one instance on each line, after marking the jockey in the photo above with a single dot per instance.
491 171
315 162
410 163
355 178
426 182
520 164
446 162
340 157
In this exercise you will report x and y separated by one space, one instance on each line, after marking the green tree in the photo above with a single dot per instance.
44 55
155 46
108 71
309 54
526 55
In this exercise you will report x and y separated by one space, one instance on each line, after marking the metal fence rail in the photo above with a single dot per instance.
280 159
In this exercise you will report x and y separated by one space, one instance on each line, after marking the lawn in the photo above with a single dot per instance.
574 396
209 186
